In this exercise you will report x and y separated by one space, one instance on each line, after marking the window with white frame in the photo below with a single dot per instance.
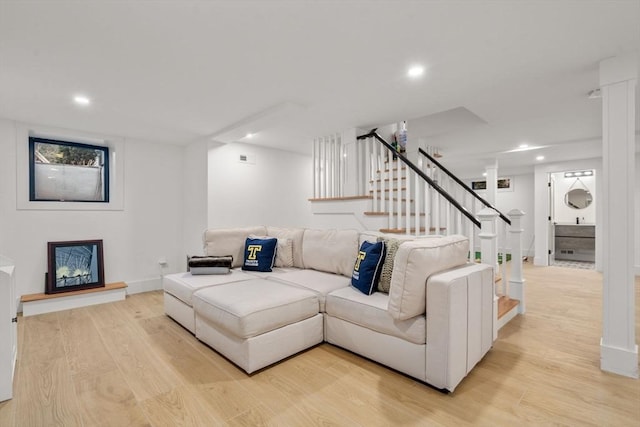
90 179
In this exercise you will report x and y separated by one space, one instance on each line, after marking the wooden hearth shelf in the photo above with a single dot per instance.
33 304
107 287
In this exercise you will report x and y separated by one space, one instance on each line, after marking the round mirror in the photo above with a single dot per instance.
578 198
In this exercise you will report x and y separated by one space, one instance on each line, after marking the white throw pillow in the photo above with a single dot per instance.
295 234
284 251
415 261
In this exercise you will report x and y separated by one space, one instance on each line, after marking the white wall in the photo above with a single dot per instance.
149 227
271 188
637 211
195 197
519 196
562 213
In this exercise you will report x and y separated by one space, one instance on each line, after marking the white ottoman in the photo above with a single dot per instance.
179 289
257 322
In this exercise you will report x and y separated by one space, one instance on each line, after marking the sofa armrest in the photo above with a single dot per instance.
459 311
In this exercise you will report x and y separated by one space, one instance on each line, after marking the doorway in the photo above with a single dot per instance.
572 218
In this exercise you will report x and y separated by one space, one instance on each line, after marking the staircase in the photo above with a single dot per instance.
413 194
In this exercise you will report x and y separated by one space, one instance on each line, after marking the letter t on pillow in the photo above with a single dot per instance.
367 268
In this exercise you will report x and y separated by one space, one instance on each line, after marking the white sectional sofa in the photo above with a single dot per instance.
435 323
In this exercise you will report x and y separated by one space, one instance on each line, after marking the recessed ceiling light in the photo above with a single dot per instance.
416 71
249 135
524 145
81 100
539 158
484 174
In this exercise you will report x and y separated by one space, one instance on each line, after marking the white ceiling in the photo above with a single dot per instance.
178 71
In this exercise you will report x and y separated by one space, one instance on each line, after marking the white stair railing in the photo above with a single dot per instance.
422 199
329 167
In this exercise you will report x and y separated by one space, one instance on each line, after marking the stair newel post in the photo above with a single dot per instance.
516 280
502 244
488 253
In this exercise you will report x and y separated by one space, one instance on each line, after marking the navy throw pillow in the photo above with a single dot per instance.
366 271
259 254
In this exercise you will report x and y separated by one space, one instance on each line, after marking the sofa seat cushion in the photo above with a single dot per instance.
317 281
275 272
370 311
183 285
250 308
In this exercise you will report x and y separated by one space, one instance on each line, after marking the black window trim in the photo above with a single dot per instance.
32 190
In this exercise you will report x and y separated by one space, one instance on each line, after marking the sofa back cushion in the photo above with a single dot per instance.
332 251
295 235
229 241
414 262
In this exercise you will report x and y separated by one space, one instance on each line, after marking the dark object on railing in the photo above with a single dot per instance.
432 183
463 185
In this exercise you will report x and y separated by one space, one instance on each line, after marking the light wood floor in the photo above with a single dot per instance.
126 364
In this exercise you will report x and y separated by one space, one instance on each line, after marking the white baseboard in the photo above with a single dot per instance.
619 360
144 285
63 302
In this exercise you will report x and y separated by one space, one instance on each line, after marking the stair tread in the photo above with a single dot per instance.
404 230
372 213
505 305
330 199
389 189
386 179
395 200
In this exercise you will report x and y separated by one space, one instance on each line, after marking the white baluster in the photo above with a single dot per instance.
315 169
398 185
376 176
417 204
407 204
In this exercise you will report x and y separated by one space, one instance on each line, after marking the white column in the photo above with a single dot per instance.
489 253
618 350
492 182
516 281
